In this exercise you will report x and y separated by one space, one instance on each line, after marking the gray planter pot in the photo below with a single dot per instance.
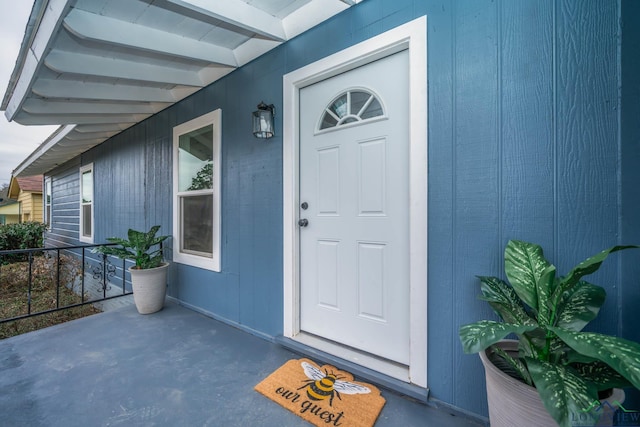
513 403
149 288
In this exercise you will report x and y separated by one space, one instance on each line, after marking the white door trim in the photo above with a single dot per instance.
411 36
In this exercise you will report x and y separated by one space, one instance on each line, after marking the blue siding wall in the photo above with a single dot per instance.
65 205
526 141
629 295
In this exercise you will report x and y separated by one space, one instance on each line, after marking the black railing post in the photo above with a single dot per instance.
30 282
124 278
104 275
58 264
82 278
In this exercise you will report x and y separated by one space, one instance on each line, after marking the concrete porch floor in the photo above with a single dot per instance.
173 368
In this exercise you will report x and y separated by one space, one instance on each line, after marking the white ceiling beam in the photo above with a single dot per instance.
56 119
240 15
310 15
252 48
66 89
75 63
181 92
83 146
210 74
40 106
77 136
113 127
90 26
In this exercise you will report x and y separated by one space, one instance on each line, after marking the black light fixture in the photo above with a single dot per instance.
263 121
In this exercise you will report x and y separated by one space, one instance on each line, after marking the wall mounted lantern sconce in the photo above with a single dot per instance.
263 121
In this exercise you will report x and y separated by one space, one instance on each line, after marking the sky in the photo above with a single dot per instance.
16 141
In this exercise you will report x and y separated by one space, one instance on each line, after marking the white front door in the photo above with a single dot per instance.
354 208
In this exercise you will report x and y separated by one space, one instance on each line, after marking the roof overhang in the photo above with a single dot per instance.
97 67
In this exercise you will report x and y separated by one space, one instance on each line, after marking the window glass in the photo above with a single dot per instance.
86 203
374 109
47 202
195 154
352 106
87 186
197 227
196 180
86 220
359 100
340 106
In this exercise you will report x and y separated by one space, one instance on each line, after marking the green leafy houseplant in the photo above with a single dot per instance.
138 248
568 367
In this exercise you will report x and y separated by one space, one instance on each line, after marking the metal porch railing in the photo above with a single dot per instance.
90 275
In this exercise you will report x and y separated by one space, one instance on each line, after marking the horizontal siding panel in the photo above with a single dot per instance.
65 205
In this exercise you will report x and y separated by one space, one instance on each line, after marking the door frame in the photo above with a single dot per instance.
413 37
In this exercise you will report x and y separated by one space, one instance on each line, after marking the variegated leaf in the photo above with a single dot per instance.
601 374
524 265
579 306
544 289
478 336
563 393
586 267
620 354
512 366
504 301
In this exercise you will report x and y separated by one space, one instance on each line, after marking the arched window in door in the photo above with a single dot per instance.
351 107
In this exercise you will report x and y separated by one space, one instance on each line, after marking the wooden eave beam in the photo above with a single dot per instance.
92 65
56 119
108 127
41 106
67 89
90 26
311 14
238 14
77 136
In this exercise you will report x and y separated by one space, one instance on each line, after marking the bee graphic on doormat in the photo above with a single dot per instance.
323 385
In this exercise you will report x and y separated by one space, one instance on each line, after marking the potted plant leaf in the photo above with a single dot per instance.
149 274
553 364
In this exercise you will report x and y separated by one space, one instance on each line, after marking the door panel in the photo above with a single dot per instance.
354 252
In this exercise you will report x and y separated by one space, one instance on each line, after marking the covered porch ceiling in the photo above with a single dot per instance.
97 67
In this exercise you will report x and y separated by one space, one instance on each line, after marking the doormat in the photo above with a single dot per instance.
324 396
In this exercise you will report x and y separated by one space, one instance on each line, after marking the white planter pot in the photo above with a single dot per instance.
149 288
514 403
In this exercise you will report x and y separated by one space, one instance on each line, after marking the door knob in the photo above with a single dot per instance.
303 222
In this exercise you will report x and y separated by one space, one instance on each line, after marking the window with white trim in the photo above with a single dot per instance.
47 202
86 203
196 192
353 106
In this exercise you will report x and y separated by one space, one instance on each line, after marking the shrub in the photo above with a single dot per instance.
25 235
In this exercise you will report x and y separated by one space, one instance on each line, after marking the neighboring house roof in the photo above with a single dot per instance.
4 197
31 184
97 67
